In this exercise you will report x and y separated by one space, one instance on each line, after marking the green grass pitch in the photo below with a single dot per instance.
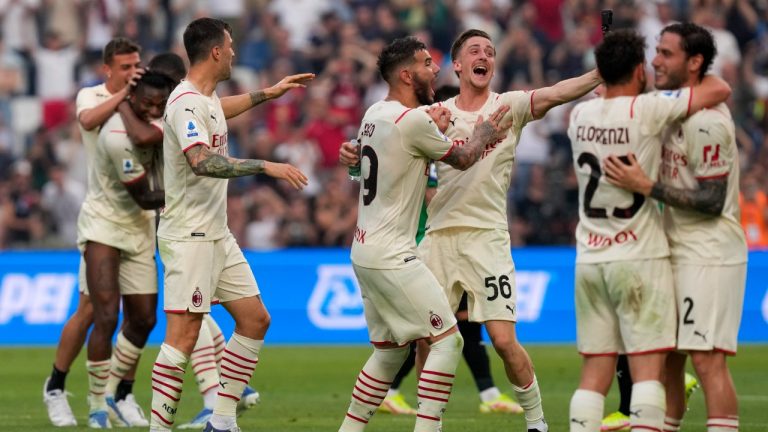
307 389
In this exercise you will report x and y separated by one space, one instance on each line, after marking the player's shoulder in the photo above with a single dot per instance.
93 92
184 96
664 94
719 114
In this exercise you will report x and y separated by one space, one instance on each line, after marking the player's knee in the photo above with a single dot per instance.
451 342
392 356
707 362
504 343
106 319
143 324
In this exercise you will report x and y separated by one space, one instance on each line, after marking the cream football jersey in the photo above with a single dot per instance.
477 197
397 145
195 206
88 98
114 165
615 224
704 147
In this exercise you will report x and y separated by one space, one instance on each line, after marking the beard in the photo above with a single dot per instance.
423 91
674 81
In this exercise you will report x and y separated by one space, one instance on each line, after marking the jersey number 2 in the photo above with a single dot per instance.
369 182
594 181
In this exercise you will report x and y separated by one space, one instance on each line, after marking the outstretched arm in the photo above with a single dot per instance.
564 91
206 163
236 105
92 118
708 199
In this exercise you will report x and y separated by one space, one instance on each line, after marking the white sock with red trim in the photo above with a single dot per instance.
436 382
204 366
219 342
124 356
672 424
529 397
586 411
167 380
722 424
98 373
240 358
372 385
647 406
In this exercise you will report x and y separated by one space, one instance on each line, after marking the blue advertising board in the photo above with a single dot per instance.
314 298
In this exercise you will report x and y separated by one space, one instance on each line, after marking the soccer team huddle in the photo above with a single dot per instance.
659 220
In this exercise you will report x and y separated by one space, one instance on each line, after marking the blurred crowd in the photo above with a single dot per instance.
51 48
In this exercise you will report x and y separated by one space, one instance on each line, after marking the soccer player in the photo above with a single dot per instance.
623 276
94 106
403 302
698 182
117 237
469 210
202 260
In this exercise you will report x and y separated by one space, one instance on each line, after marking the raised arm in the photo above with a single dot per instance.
708 198
206 163
564 91
141 133
236 105
146 198
92 118
486 132
711 91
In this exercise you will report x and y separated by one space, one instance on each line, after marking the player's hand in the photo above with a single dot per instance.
134 79
349 154
286 172
499 121
288 83
441 116
627 174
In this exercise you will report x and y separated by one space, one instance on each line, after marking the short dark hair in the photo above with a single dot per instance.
463 38
618 55
169 64
203 34
695 40
397 53
118 46
156 80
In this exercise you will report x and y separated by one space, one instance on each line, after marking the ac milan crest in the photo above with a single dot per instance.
197 297
435 320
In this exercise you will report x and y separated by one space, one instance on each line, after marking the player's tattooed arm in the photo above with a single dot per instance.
236 105
709 198
486 132
206 163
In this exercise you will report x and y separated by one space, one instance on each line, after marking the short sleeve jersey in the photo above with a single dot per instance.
477 197
115 164
701 148
397 145
88 98
195 206
615 224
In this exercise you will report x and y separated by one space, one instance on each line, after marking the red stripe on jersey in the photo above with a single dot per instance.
725 351
186 149
450 150
532 114
713 177
132 181
632 108
177 97
403 115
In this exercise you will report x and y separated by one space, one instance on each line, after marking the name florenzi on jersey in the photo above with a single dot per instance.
605 136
